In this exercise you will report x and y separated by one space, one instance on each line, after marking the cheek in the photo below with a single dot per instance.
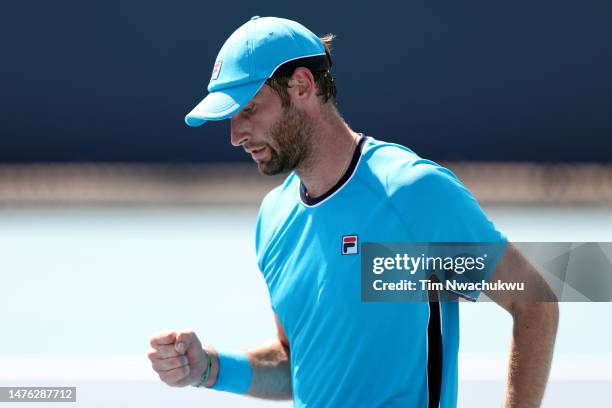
267 129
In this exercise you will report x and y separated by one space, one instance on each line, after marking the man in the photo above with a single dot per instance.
272 79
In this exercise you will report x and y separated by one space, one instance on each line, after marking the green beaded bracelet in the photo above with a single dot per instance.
206 372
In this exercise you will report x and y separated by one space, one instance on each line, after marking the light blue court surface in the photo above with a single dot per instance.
84 288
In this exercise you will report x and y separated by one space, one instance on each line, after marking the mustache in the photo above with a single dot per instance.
250 148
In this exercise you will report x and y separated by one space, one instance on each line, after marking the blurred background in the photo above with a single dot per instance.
117 220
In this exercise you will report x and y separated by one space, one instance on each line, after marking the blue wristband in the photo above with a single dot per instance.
234 373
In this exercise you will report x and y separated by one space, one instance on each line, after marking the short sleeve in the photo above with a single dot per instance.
436 207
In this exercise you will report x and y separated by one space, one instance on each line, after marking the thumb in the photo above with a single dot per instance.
186 340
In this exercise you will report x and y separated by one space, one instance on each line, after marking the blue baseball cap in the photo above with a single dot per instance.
251 55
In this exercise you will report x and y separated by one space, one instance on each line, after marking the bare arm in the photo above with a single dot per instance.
180 360
270 364
534 330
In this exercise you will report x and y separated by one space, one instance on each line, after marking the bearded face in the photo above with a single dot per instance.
289 142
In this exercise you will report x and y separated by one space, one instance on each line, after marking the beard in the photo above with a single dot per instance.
292 135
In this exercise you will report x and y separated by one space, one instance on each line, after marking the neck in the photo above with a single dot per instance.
333 144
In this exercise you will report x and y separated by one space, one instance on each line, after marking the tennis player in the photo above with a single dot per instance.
272 79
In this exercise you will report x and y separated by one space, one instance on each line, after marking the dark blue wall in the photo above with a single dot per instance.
479 80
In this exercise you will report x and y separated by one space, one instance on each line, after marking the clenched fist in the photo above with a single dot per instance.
178 357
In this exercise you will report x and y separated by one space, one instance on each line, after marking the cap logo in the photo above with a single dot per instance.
216 70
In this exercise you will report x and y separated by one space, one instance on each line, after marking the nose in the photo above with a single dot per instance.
238 132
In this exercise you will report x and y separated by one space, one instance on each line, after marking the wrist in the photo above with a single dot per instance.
207 376
214 367
234 372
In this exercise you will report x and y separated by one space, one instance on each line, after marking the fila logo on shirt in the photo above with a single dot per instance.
350 245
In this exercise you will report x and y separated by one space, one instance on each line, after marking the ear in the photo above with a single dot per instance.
302 85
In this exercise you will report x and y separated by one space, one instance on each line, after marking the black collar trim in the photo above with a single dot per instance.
311 201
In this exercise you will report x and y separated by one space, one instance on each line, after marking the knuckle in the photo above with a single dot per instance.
170 377
187 330
173 377
163 365
169 351
169 364
162 335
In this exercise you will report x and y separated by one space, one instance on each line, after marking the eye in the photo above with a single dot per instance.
249 110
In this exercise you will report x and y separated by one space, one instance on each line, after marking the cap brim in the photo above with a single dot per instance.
222 104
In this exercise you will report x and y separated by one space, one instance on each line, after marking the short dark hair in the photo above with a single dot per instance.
326 88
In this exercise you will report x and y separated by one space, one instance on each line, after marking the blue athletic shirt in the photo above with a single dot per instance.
349 353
